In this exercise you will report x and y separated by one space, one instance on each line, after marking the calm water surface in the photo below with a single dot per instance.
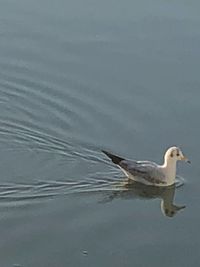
79 76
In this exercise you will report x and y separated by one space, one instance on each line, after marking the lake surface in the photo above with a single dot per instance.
80 76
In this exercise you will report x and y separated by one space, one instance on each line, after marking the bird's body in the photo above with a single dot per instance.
148 172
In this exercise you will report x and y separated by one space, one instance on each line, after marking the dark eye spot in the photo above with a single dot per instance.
177 154
172 213
171 155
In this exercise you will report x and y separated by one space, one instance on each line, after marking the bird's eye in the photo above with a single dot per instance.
171 155
177 154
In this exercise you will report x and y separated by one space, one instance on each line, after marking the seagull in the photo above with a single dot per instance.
150 173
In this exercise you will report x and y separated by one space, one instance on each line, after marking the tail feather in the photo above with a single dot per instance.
115 159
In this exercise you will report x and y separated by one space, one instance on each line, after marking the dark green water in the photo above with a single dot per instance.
79 76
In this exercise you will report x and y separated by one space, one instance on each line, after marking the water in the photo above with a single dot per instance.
77 77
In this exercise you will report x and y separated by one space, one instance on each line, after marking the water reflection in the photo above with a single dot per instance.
132 190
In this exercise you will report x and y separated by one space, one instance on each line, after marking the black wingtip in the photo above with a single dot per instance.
115 159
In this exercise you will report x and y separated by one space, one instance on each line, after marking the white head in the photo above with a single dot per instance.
174 154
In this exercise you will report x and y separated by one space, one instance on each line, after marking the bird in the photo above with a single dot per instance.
148 172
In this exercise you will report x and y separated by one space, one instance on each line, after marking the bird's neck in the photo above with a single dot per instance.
169 168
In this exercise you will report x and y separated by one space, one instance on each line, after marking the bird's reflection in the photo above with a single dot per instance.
130 189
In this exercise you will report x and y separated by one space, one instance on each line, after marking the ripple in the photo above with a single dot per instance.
42 189
180 181
50 100
106 182
42 117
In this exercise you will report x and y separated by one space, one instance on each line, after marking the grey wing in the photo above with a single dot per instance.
145 169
